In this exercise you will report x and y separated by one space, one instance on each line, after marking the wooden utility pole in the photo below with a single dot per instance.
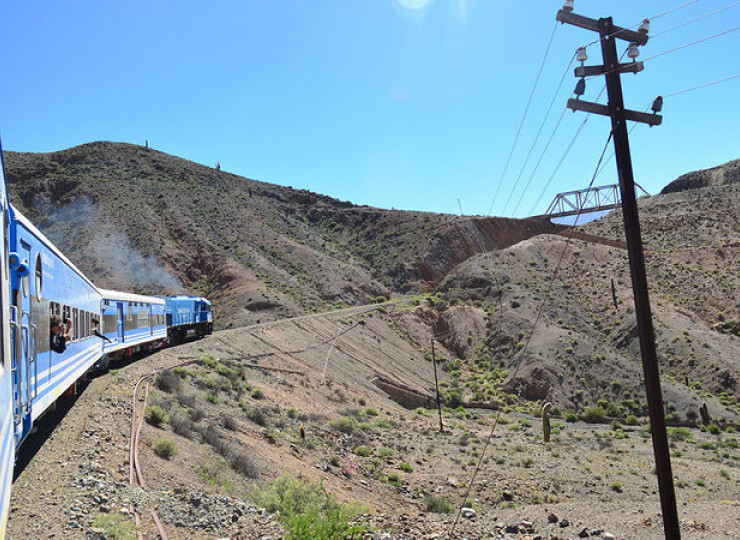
436 386
612 69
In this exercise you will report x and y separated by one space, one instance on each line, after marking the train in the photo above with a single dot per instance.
57 326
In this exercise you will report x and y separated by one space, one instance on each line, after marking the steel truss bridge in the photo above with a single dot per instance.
585 201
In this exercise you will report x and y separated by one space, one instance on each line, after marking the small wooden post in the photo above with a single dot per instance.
436 387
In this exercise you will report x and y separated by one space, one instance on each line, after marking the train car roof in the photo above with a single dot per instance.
48 243
130 297
186 297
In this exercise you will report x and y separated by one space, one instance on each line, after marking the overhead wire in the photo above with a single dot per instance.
699 87
524 117
651 18
539 132
692 21
526 347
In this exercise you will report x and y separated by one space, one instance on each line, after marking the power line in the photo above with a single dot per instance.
673 9
697 42
692 21
524 117
652 18
687 90
526 344
539 132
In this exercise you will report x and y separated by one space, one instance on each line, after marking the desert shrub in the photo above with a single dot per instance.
208 360
594 415
363 451
571 417
405 467
167 381
385 452
186 400
714 429
181 425
258 416
679 434
345 424
238 458
438 505
164 447
371 411
212 399
257 393
230 423
308 511
196 414
116 526
155 415
384 424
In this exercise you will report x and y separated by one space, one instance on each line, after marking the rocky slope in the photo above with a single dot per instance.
137 219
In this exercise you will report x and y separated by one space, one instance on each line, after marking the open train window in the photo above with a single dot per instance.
39 277
87 324
55 308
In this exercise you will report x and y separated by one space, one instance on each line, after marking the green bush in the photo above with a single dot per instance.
308 511
116 526
571 417
405 467
363 451
165 447
384 452
156 415
438 505
594 415
345 424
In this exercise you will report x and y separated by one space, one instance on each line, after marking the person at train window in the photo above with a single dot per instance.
96 330
58 341
67 330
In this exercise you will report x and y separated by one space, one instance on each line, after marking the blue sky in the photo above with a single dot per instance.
406 104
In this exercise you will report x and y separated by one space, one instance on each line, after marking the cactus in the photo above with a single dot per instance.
546 421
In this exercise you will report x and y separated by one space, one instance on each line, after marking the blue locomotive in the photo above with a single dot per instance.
188 316
56 326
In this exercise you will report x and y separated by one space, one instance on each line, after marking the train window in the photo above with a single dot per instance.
87 324
130 314
24 285
75 324
55 309
106 303
66 313
39 277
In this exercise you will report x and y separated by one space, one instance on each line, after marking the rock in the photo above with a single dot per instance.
565 523
468 513
512 529
452 482
584 533
507 496
608 536
552 518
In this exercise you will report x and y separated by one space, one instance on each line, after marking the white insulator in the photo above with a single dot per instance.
581 54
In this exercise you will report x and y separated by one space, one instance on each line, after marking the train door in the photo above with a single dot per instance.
119 307
25 337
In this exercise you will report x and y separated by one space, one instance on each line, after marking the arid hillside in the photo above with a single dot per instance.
136 219
513 313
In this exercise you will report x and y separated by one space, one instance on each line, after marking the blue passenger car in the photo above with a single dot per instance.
46 287
131 323
188 316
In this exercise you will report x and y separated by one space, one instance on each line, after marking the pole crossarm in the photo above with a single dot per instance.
597 108
568 17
